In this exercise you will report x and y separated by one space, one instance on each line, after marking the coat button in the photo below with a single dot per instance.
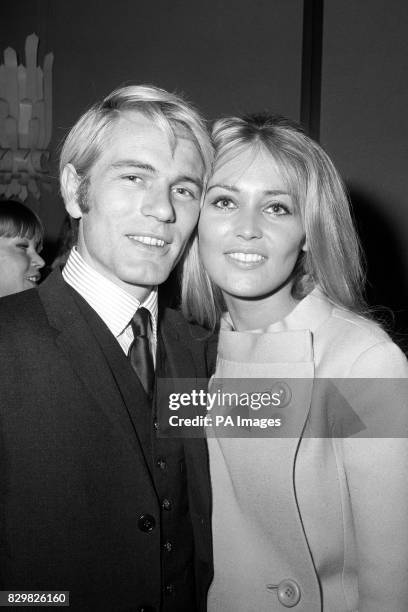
146 523
281 389
156 424
168 546
288 593
146 609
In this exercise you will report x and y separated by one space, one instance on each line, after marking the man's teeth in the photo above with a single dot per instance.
247 257
33 279
148 240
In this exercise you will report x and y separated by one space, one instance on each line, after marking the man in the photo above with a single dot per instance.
91 500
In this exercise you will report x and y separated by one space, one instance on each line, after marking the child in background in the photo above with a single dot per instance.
21 236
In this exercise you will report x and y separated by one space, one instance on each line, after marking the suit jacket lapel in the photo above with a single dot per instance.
86 356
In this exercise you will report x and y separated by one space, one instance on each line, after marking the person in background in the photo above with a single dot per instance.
315 516
21 236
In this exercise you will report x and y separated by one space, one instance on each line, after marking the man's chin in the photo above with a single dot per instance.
147 280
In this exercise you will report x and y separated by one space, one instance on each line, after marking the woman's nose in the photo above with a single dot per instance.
248 226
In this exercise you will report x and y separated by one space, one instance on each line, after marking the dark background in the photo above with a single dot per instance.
245 55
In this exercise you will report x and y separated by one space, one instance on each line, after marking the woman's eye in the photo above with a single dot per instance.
224 204
22 245
276 208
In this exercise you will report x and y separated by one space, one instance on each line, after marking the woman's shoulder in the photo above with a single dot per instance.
359 343
366 329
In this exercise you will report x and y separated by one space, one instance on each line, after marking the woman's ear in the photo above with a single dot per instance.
69 188
305 246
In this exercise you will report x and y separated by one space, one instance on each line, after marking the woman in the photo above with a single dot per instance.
304 520
21 235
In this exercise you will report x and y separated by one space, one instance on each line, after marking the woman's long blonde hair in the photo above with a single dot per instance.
333 260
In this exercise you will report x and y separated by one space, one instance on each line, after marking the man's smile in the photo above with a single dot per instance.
151 241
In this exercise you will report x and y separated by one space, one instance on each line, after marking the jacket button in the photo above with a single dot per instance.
156 424
146 609
161 463
146 523
168 546
166 504
288 593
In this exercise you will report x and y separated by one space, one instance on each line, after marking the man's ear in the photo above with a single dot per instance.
69 189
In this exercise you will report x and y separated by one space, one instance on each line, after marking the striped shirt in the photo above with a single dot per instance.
113 304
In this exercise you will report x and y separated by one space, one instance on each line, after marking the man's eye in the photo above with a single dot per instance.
183 192
276 208
224 204
133 178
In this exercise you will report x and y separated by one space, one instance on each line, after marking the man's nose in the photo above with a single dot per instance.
158 203
248 226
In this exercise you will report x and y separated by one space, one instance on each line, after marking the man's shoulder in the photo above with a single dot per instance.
26 312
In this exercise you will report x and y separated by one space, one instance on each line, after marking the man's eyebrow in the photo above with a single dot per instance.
132 163
139 165
190 179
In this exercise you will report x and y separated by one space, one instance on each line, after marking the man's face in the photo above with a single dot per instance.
143 199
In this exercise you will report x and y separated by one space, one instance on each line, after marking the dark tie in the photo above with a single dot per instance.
139 353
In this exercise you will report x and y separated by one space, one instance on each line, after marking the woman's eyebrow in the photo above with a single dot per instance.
236 190
223 186
276 192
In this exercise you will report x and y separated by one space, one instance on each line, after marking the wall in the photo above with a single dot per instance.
227 57
364 127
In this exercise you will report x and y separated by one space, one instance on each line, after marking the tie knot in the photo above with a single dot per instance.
140 323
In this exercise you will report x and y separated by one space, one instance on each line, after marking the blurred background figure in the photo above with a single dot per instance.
21 236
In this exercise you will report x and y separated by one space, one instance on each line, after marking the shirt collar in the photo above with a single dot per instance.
113 304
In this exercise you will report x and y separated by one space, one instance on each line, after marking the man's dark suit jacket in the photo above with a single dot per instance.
74 478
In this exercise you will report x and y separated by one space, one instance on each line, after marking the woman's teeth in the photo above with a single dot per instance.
246 257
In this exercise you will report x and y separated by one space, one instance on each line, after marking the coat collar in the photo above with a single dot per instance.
308 314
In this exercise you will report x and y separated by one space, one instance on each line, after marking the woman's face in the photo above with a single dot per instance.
250 230
19 264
